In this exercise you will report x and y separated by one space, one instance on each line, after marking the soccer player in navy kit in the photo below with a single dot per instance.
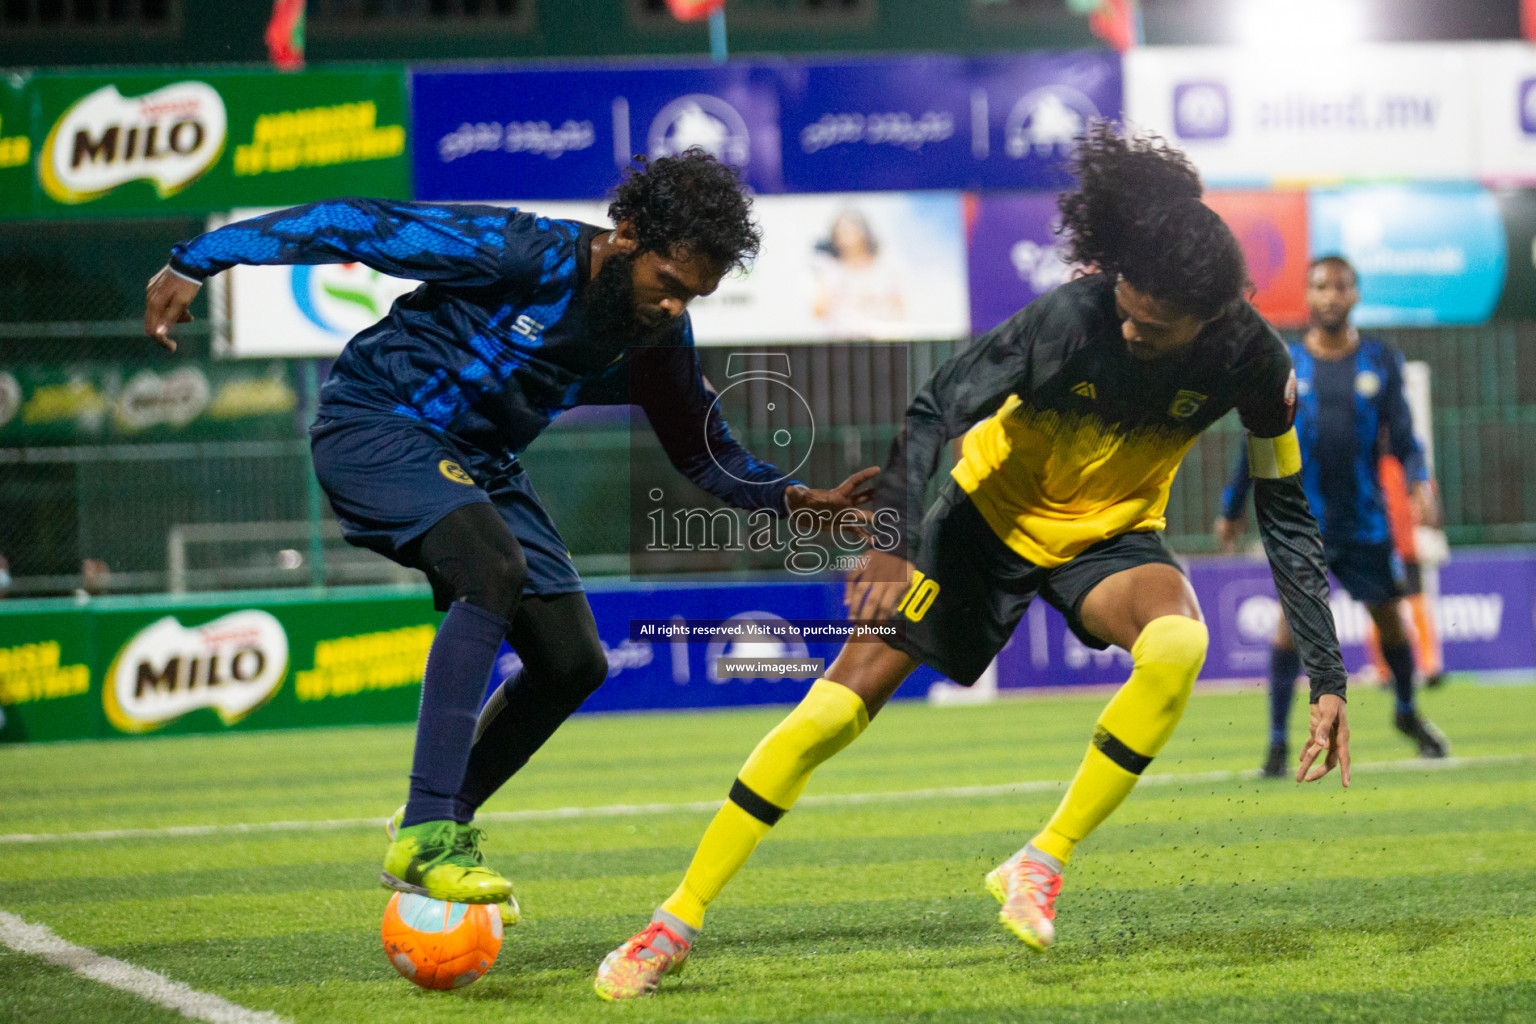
421 420
1350 402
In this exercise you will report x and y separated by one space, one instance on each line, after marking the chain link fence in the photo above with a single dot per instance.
102 490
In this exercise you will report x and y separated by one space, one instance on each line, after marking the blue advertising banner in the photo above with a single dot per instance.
887 124
1483 612
678 674
1015 255
932 122
731 111
1033 107
1427 254
564 134
489 135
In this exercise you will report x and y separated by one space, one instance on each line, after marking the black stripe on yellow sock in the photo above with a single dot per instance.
742 796
1111 747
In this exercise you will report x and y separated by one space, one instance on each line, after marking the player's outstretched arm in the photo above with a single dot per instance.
669 386
1232 519
849 496
1294 547
1327 735
166 299
420 241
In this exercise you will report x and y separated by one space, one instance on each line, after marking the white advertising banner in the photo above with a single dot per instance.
1506 112
858 266
887 266
1256 116
863 266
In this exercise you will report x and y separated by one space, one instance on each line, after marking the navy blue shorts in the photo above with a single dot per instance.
391 479
1372 573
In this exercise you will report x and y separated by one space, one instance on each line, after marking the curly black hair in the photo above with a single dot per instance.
1137 213
689 204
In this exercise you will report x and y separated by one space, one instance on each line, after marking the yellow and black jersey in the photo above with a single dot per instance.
1070 440
1085 443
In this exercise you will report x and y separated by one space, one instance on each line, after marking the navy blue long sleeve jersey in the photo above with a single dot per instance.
496 342
1345 408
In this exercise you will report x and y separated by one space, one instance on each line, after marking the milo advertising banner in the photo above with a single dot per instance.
126 667
15 147
94 402
138 143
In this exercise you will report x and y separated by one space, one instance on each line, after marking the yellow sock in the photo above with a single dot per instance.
829 718
1133 728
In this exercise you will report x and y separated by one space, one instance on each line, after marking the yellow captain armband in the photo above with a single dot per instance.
1270 458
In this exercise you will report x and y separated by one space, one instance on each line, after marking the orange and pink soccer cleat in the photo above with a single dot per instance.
1027 890
635 967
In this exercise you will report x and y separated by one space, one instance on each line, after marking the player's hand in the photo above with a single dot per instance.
850 495
166 299
1226 531
875 588
1424 504
1328 734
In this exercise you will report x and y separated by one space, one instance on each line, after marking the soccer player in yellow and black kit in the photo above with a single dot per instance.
1076 413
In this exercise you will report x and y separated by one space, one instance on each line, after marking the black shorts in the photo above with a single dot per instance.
391 479
974 589
1372 573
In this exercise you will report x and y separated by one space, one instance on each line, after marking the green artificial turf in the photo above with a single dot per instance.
1412 896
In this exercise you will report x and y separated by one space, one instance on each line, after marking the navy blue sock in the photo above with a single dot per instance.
1284 666
1400 660
458 666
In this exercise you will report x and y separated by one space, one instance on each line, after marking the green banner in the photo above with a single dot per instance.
98 403
16 191
272 659
191 141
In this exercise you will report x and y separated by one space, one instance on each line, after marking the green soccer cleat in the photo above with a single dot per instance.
511 914
441 860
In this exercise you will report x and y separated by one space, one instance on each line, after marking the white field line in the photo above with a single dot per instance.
41 941
704 806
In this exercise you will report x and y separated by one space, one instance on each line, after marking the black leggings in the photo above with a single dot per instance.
471 555
563 663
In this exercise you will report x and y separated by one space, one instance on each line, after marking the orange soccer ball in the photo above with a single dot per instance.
440 945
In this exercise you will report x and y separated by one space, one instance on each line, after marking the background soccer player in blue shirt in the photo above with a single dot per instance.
1350 403
421 420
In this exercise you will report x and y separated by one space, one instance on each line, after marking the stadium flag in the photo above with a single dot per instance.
694 10
1117 22
285 35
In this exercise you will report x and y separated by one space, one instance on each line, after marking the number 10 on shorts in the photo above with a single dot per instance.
919 597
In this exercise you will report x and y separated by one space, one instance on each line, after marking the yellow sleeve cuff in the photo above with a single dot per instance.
1271 458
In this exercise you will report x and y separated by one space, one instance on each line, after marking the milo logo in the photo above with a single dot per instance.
170 136
232 665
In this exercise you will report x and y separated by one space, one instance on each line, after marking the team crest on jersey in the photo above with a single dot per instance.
1086 390
455 472
1186 404
1367 384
